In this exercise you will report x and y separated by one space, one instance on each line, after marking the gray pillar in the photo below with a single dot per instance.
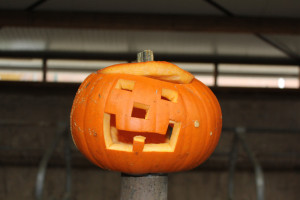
146 187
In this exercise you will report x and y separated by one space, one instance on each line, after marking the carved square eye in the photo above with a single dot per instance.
169 95
123 84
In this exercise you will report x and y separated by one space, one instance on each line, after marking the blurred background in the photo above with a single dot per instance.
247 52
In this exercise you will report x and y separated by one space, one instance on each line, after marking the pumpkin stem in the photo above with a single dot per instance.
144 56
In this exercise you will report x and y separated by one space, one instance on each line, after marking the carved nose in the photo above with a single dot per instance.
140 110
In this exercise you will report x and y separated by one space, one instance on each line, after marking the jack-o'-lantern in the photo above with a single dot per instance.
148 117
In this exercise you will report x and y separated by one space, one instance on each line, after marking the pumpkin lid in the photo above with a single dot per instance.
160 70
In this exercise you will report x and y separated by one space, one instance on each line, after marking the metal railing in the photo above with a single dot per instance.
63 133
239 137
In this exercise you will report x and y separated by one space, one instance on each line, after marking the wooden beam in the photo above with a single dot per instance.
83 20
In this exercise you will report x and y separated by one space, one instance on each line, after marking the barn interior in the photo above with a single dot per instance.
247 52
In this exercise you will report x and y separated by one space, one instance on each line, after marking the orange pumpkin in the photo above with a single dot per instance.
149 117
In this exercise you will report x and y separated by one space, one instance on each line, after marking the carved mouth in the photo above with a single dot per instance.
139 141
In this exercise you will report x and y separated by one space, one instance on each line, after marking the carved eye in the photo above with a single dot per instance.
169 95
125 85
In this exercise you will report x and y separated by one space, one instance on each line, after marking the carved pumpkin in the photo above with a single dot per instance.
149 117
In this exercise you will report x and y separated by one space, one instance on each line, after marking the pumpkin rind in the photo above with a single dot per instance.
155 69
99 96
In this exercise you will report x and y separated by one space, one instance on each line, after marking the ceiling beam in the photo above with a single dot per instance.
290 53
82 20
121 56
35 4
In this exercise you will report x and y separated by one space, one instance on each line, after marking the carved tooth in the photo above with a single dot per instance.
138 143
